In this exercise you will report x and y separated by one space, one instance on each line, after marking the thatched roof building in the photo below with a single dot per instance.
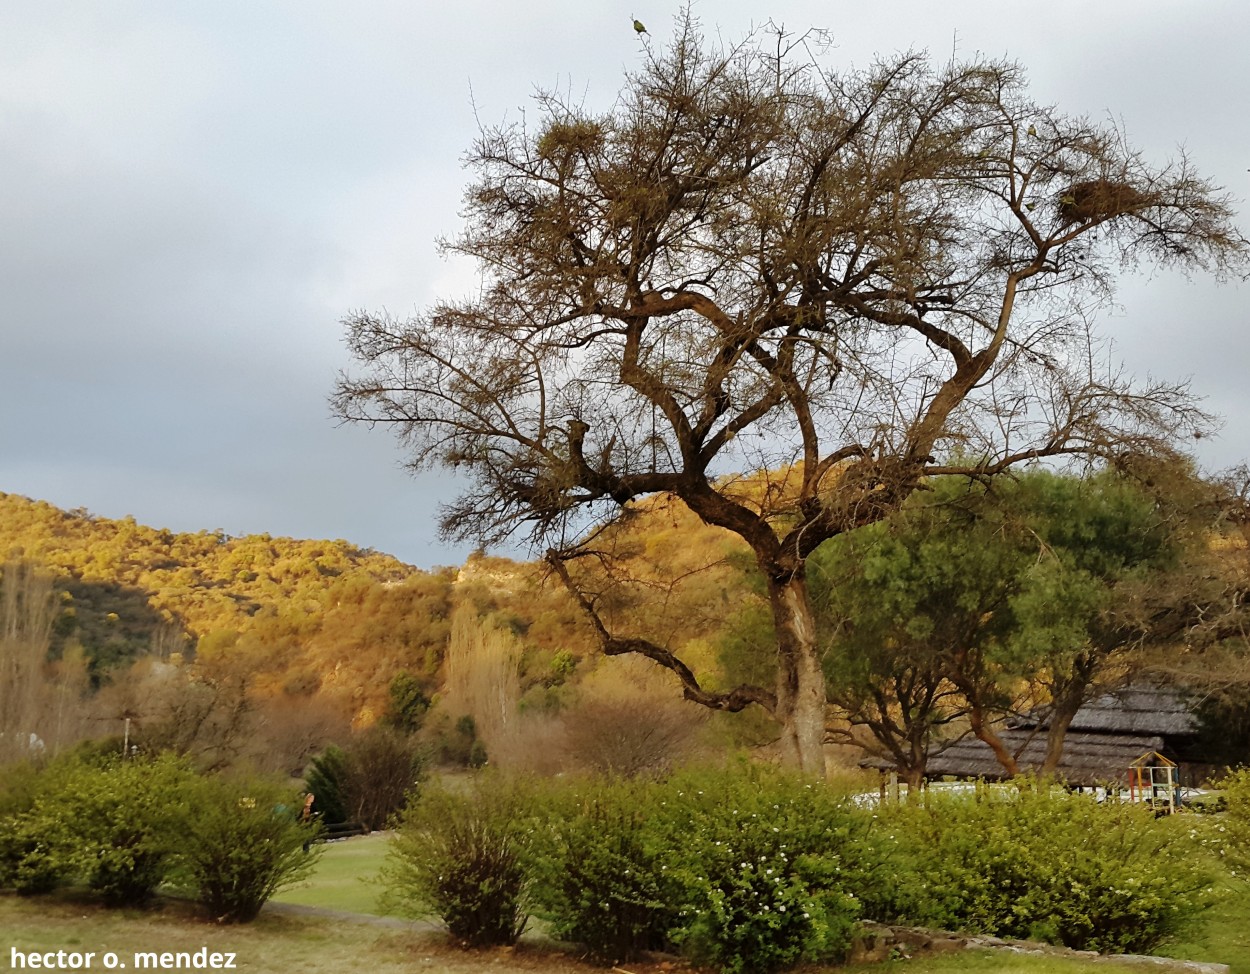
1105 737
1137 710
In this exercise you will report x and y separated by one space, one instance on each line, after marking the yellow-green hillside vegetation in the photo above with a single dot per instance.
286 628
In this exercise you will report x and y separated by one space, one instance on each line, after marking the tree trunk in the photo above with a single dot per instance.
914 776
1056 734
800 679
1064 708
986 734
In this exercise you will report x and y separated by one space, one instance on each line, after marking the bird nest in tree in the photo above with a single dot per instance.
1098 199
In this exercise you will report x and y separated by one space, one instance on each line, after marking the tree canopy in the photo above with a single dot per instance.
973 604
751 260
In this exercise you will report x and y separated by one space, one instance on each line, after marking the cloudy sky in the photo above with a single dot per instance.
193 193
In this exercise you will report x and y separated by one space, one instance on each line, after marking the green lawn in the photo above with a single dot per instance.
280 944
1224 939
274 944
345 878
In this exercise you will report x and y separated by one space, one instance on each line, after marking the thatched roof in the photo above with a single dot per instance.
1105 737
1138 710
1088 758
1135 709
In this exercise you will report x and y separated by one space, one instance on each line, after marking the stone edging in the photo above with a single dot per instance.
878 942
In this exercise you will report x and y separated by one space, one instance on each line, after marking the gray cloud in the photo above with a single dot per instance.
195 194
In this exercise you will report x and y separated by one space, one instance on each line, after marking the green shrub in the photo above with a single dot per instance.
242 841
1040 863
101 819
29 862
1227 835
327 781
369 780
767 864
383 768
748 870
603 879
119 825
463 857
26 862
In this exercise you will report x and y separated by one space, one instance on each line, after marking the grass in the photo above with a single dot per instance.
278 944
273 944
990 962
345 877
1223 939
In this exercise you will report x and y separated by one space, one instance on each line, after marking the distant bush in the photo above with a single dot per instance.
242 841
383 769
1043 864
454 743
369 779
464 857
326 780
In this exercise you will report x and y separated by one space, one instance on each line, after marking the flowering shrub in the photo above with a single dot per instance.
767 866
465 859
1227 835
126 826
602 872
27 863
119 824
1049 865
751 871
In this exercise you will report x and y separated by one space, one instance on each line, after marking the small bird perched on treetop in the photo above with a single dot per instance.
639 27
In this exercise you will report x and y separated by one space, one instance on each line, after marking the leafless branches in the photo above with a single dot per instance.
866 272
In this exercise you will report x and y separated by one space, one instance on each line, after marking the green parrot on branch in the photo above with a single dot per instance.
639 27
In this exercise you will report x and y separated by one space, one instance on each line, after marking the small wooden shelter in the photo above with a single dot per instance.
1155 779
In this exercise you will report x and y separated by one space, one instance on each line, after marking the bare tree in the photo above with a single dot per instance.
27 612
867 277
628 723
483 680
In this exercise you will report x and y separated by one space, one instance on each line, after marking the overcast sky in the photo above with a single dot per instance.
193 193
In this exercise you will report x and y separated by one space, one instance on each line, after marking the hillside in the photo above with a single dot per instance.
124 585
296 637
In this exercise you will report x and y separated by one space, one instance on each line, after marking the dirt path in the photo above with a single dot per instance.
343 916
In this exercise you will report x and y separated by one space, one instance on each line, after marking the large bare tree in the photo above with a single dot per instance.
750 261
